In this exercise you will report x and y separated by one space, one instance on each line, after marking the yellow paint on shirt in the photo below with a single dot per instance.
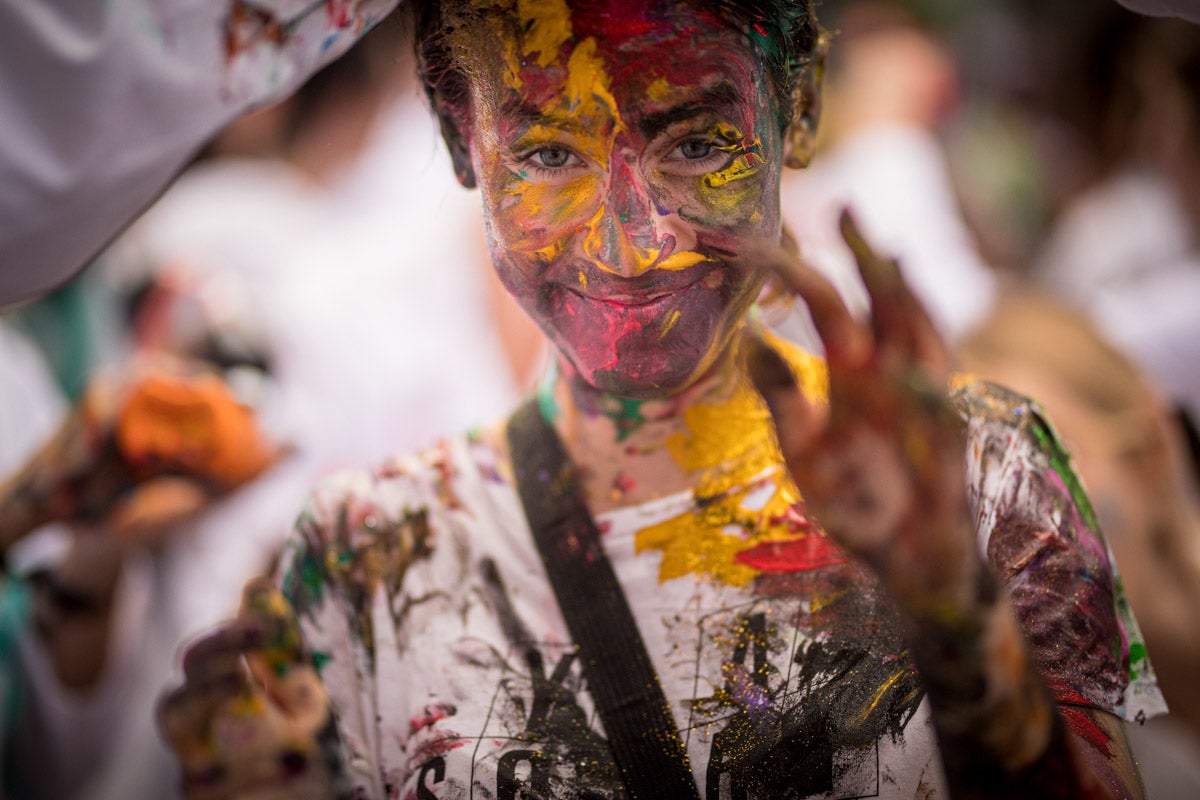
901 672
731 445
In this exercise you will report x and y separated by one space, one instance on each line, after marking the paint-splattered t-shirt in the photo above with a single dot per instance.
452 674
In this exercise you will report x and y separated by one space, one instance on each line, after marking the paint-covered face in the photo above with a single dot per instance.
626 157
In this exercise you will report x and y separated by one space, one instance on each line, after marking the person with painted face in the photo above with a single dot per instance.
697 562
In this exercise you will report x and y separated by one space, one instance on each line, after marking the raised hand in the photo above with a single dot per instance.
137 453
882 467
252 718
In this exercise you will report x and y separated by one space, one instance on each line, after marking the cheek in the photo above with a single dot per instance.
738 202
538 217
723 214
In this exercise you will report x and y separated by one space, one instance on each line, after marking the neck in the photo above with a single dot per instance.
714 434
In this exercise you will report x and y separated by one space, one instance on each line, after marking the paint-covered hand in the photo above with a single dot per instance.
881 468
139 452
252 719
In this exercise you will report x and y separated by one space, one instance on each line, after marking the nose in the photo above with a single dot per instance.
623 237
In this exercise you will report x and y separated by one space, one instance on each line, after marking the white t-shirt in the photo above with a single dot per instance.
452 673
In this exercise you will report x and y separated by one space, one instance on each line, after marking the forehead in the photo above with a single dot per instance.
648 55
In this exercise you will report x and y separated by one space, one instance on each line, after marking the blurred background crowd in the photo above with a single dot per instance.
1034 167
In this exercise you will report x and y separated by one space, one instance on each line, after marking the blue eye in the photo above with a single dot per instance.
551 157
695 149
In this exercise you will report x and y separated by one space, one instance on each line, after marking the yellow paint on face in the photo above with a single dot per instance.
658 90
731 445
549 252
547 26
582 280
592 147
532 205
668 323
587 89
680 260
630 256
742 167
727 192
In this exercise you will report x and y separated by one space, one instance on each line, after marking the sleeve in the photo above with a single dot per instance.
102 103
1039 533
1187 9
342 573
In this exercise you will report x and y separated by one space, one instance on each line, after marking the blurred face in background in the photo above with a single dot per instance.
626 156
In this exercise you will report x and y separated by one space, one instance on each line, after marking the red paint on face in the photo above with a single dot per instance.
614 213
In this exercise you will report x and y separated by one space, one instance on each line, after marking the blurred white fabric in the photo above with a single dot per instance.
895 180
1124 254
102 103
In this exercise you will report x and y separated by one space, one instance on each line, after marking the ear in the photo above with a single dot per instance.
800 139
455 130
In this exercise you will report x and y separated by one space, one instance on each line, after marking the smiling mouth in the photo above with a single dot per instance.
632 300
640 299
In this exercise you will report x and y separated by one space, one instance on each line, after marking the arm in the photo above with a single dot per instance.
135 455
101 104
883 471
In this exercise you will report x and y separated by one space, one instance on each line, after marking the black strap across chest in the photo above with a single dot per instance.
637 719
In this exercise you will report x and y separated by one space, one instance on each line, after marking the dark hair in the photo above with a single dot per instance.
785 32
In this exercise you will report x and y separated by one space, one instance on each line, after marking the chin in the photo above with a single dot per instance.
646 370
641 385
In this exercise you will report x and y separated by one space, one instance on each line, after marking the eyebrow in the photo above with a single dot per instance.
722 96
532 115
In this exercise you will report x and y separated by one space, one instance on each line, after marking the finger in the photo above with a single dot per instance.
899 319
283 665
150 510
299 694
845 339
797 421
220 653
282 646
185 714
881 277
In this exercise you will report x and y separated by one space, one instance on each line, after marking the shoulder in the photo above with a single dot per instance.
1002 423
1016 464
1040 533
981 401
